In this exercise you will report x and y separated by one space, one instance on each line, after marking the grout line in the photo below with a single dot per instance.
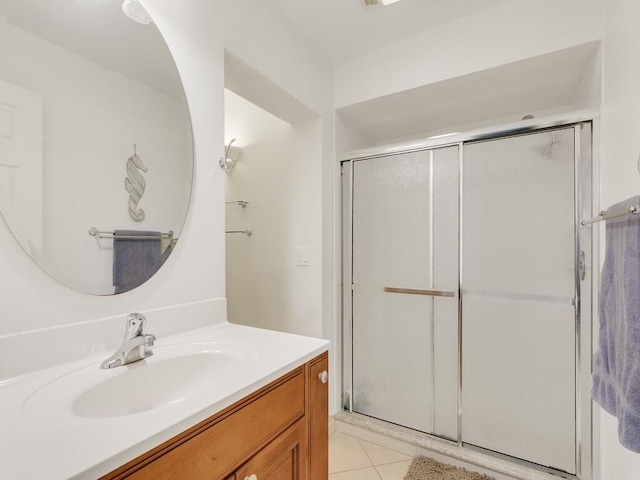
375 467
356 470
377 472
386 448
365 452
392 463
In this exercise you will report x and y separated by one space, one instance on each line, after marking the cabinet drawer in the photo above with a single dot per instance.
216 447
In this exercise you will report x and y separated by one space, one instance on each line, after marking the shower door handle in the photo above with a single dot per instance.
416 291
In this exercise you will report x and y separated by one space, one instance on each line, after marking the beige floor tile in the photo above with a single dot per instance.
381 455
360 474
393 471
338 434
346 453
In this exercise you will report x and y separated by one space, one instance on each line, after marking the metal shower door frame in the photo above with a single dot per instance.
587 426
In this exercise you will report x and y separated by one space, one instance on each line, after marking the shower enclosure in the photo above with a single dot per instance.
466 293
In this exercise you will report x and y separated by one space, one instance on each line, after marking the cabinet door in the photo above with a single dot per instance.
318 411
282 459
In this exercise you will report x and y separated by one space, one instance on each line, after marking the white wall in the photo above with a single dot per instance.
589 93
279 174
261 35
508 32
620 178
92 117
348 138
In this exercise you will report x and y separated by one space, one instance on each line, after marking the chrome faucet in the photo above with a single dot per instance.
135 345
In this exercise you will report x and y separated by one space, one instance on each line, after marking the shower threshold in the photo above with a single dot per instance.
412 442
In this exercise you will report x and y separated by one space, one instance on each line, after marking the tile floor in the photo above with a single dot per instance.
353 459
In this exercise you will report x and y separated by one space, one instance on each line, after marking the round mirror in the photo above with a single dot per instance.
96 153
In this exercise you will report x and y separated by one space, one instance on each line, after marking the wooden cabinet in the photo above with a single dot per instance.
278 432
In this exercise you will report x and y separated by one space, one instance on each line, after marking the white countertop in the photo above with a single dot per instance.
48 441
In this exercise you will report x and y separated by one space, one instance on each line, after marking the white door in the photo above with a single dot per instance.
518 297
21 163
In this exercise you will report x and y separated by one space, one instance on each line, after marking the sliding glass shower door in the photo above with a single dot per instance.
520 297
466 276
404 289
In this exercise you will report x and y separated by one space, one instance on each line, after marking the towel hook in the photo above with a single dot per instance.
231 155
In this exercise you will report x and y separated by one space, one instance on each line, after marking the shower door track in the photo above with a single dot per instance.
575 121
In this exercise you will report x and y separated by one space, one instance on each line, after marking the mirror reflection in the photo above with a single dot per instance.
95 142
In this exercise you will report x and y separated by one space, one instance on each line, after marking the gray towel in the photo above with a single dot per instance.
135 260
616 376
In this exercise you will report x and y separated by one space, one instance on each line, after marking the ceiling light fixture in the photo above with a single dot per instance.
136 12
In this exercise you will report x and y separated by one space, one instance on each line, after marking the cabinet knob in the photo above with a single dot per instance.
323 376
253 476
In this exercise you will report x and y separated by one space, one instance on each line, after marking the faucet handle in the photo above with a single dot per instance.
134 325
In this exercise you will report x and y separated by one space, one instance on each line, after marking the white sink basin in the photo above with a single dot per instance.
170 376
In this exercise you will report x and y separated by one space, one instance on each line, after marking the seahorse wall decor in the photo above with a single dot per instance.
134 184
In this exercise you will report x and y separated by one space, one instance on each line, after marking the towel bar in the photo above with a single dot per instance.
242 203
606 216
246 231
93 231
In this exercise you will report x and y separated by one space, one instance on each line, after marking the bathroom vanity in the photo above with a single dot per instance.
278 432
220 402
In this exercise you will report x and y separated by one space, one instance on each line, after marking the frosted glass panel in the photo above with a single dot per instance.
518 391
445 371
445 310
391 221
392 359
405 235
445 204
518 288
519 216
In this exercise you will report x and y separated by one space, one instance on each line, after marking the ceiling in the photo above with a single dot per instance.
345 28
99 31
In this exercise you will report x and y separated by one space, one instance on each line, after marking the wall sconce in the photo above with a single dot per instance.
231 155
